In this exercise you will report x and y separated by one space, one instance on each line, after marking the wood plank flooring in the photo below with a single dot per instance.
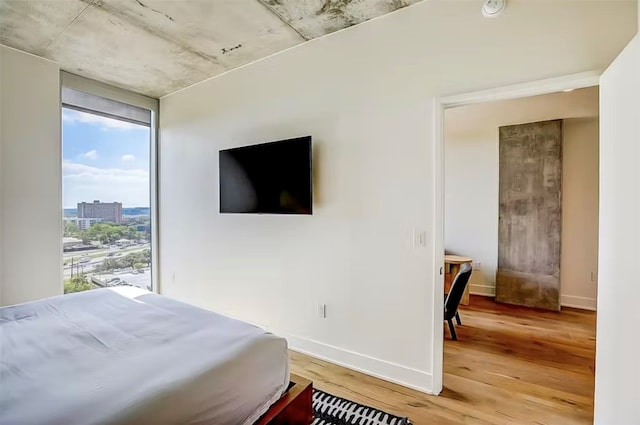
510 365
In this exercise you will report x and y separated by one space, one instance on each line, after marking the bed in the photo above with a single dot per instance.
127 356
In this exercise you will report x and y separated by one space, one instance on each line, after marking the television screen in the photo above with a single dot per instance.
270 178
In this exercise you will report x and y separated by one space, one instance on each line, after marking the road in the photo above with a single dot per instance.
96 257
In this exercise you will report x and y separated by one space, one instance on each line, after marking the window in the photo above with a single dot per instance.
108 168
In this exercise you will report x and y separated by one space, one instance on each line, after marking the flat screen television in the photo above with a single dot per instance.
269 178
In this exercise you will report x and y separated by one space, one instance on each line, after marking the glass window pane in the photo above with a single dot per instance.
106 199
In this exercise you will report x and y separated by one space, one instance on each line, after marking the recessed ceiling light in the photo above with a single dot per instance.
568 90
493 8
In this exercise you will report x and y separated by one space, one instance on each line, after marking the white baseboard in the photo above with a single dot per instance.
484 290
392 372
578 302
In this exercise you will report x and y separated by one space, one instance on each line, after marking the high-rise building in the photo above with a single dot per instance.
83 223
107 211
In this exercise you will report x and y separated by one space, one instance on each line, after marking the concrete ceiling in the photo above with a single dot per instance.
156 47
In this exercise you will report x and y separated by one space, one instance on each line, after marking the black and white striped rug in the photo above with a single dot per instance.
331 410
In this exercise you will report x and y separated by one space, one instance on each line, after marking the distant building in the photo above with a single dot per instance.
83 223
111 212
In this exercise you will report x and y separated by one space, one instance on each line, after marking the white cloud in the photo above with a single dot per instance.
128 158
73 116
83 183
93 154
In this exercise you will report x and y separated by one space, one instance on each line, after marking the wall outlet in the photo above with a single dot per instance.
322 311
476 265
594 277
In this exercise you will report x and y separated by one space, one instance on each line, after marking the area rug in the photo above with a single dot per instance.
331 410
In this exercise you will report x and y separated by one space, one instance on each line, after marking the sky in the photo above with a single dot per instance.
104 159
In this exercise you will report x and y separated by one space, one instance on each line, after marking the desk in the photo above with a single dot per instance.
451 268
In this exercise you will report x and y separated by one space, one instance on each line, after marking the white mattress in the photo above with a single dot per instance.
127 356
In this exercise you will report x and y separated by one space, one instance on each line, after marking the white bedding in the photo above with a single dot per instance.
127 356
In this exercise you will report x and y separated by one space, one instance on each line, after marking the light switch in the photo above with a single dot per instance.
419 238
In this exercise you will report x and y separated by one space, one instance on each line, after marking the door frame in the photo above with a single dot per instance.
440 104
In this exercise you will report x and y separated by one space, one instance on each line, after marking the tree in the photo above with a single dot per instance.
108 265
77 283
70 229
141 258
109 233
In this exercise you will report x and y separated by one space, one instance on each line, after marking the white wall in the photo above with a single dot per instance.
617 345
30 178
579 237
365 96
471 186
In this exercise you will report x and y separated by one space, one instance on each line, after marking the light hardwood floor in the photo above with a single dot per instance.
510 365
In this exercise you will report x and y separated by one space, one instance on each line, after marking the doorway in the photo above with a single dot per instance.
470 209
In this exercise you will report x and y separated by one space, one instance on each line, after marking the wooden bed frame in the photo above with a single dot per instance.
294 407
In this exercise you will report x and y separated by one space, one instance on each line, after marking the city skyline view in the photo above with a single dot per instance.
104 159
106 202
